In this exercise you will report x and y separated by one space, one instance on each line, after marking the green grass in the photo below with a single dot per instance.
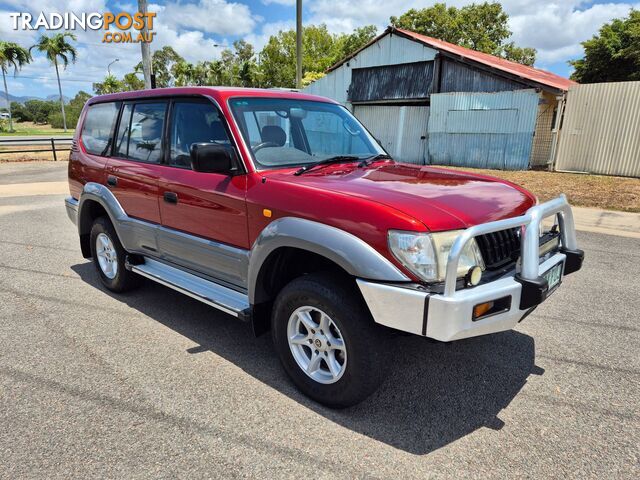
29 128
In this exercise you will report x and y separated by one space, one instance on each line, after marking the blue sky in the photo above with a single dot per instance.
554 27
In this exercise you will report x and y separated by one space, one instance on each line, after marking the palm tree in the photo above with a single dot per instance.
54 47
12 54
110 84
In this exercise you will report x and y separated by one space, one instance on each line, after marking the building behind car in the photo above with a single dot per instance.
432 102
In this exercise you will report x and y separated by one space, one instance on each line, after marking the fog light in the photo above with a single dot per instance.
474 275
481 309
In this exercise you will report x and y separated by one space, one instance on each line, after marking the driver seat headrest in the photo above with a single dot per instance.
274 134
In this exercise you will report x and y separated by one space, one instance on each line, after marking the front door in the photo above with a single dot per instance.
204 216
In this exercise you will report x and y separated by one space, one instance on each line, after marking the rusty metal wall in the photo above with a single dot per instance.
483 130
601 130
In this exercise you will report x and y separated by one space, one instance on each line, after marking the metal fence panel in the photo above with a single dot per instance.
601 130
483 130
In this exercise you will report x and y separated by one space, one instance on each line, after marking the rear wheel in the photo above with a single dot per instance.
326 340
109 257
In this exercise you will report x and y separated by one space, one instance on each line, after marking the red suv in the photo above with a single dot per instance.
279 208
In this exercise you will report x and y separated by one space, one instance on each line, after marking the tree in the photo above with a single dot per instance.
131 82
110 84
12 55
320 48
162 61
613 55
73 111
482 27
183 73
38 110
19 112
55 47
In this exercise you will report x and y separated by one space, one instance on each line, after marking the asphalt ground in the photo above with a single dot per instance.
153 384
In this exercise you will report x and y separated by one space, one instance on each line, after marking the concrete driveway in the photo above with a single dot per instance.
154 384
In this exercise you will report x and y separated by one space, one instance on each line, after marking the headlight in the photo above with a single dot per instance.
426 254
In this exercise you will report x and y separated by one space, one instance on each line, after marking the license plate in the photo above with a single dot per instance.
553 276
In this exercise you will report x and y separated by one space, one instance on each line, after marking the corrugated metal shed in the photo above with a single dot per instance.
601 129
408 81
387 50
459 77
483 130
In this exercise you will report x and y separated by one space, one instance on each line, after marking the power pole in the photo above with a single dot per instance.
298 43
146 49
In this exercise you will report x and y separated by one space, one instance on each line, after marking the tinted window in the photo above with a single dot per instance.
140 132
98 124
288 132
194 122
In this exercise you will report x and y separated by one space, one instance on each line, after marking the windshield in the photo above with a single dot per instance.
285 132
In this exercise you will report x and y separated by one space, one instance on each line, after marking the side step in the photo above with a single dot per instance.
220 297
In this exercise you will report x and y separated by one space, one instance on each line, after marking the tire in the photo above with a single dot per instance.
111 270
359 370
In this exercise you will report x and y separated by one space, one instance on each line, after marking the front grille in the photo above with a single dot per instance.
499 248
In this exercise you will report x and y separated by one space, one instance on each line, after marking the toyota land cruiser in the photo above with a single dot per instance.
280 209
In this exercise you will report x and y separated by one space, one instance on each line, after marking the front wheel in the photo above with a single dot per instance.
327 341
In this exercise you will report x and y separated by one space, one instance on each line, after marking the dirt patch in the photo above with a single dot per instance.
18 156
595 191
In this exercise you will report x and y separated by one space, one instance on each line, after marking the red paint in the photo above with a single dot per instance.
366 202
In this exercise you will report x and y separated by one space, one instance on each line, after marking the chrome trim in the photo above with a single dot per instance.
213 294
529 238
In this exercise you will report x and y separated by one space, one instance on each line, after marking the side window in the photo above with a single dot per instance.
194 122
140 133
98 124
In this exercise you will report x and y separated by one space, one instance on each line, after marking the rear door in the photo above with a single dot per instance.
132 171
203 215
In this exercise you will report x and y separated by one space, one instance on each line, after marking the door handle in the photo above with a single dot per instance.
111 180
170 197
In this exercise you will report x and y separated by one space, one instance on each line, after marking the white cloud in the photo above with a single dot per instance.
280 2
557 29
260 39
211 16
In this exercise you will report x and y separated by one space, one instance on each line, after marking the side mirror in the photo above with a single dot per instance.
213 158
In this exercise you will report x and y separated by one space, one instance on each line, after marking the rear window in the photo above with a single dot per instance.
140 132
98 125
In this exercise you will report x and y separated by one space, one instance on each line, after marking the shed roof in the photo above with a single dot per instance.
524 72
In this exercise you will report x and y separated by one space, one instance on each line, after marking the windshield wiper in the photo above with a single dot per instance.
327 161
369 160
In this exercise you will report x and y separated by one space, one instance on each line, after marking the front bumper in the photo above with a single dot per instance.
72 209
449 316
